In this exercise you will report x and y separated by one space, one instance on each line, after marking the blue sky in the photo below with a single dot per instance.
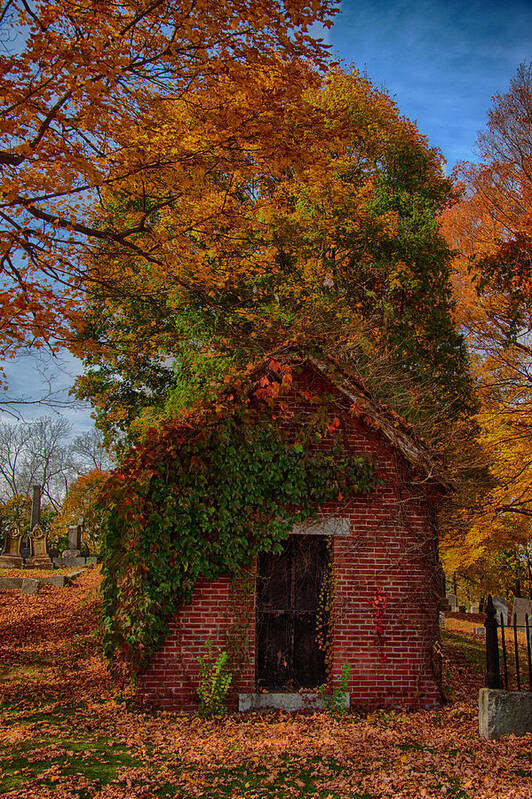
441 61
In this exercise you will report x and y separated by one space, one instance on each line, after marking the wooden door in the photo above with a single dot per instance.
288 589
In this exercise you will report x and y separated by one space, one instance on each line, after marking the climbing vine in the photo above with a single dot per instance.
324 616
379 603
202 499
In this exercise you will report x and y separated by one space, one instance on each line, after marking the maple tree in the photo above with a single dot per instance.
166 103
84 499
338 252
491 231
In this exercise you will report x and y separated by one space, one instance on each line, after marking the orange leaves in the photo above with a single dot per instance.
83 500
84 735
490 228
111 104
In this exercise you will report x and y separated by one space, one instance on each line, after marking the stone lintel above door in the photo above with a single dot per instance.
327 525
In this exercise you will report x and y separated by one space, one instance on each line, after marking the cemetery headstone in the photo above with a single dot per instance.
520 608
25 547
501 606
451 599
39 558
36 507
11 557
74 542
72 555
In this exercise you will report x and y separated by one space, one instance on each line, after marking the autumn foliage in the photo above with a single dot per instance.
336 251
85 499
491 231
129 125
204 494
68 730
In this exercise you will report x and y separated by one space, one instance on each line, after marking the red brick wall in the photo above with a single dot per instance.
216 613
392 546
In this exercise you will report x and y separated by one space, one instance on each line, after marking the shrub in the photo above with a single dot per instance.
333 698
215 682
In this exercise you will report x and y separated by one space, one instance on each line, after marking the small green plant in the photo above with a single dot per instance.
214 683
333 698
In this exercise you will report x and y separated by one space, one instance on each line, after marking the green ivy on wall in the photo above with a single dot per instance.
203 502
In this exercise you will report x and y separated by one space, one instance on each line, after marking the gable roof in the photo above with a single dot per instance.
417 452
395 429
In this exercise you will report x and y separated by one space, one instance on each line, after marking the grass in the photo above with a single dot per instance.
34 572
47 760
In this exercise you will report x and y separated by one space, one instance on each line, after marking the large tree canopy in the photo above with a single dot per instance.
340 250
166 103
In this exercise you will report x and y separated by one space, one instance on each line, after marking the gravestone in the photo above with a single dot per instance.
72 555
11 557
30 585
25 547
501 606
522 606
36 507
40 558
74 536
74 542
451 599
474 607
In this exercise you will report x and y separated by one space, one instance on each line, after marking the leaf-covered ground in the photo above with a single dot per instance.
68 731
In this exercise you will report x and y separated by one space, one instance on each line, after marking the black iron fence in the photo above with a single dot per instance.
514 662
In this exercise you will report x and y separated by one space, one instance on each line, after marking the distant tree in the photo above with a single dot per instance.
42 452
88 452
35 452
85 499
491 231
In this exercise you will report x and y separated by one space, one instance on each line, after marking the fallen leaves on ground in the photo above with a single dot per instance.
68 730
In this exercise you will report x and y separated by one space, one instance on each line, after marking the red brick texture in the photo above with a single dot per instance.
392 546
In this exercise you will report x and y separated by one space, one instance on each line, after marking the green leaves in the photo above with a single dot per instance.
252 487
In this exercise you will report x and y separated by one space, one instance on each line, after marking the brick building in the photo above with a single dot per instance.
377 550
